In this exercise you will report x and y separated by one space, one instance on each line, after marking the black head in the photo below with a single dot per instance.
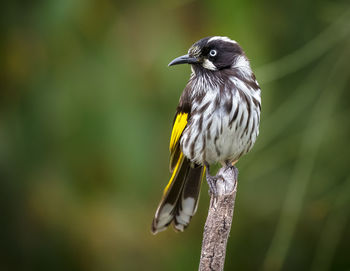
211 53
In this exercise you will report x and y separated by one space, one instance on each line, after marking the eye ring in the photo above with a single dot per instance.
213 52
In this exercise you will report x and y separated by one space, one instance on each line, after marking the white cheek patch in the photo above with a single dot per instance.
208 65
243 64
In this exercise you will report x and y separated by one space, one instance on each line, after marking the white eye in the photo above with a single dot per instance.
213 52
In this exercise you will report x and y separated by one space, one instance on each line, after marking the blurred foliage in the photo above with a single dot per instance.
86 106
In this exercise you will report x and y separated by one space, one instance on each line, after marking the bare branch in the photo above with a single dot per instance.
218 225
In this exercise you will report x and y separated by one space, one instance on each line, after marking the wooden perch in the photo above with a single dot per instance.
218 225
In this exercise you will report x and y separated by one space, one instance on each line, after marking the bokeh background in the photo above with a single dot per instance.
86 107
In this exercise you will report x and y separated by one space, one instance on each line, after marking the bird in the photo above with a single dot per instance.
216 121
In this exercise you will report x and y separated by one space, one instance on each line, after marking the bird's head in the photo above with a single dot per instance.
212 53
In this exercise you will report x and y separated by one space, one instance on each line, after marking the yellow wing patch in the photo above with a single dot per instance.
175 172
178 127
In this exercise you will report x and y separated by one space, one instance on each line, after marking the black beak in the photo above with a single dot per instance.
183 59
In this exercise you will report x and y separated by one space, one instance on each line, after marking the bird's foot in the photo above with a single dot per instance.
231 166
211 180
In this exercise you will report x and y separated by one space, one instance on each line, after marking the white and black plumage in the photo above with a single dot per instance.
217 120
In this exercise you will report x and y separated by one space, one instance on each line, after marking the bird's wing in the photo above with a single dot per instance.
180 196
180 122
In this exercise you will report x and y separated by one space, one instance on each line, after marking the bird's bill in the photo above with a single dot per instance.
185 59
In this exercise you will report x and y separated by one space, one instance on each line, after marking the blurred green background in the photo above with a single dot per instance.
86 107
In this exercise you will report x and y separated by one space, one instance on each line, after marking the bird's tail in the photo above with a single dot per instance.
180 197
